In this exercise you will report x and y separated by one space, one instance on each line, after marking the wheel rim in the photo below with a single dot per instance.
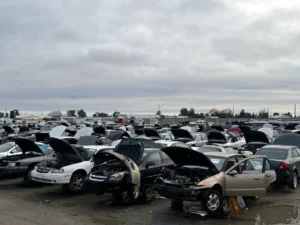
78 182
295 181
213 202
135 192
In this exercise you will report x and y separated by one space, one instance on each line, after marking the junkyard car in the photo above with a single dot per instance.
128 171
9 149
70 167
32 154
195 177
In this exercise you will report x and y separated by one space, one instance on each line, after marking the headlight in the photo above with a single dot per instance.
57 171
117 176
12 164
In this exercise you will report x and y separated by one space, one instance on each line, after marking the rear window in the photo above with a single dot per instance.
273 153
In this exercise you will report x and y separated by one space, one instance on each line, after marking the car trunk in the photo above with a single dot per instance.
182 135
216 137
151 133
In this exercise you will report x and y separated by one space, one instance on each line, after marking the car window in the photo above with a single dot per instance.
254 165
273 153
294 153
155 158
297 150
230 163
268 166
160 145
183 145
165 157
6 147
204 137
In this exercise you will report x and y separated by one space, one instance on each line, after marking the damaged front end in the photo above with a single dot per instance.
114 173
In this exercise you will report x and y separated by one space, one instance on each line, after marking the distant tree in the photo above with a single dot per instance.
192 112
116 114
71 112
98 114
17 112
1 114
263 114
288 114
184 112
55 114
275 114
81 113
213 112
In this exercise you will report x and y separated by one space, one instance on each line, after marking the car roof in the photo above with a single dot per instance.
281 147
220 154
166 141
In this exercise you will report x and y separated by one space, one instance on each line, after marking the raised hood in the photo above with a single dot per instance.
216 136
103 157
185 156
8 130
256 136
288 139
131 148
181 133
151 133
27 145
63 148
117 135
87 140
57 131
85 131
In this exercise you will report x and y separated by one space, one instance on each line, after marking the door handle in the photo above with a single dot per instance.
268 175
256 178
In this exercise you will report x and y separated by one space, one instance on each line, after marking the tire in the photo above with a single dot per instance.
148 194
294 183
212 203
27 177
177 205
76 184
127 197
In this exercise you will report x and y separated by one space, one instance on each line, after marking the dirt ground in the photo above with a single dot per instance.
43 204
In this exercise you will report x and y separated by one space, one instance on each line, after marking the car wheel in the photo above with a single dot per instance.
212 203
76 184
177 205
134 192
148 194
294 183
27 177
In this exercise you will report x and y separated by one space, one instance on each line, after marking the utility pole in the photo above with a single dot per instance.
233 110
295 110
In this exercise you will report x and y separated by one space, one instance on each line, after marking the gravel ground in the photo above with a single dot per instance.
43 204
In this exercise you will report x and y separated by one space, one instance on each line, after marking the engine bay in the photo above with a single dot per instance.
108 168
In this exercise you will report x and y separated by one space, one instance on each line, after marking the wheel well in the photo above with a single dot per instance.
83 172
32 165
218 188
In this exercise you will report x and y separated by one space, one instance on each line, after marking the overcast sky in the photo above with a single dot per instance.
132 55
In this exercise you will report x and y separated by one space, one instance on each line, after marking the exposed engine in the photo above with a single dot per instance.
184 176
108 168
60 162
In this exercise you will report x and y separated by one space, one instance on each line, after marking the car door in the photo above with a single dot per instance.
270 175
246 178
296 158
152 168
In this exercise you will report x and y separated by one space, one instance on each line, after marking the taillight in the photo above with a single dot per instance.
283 165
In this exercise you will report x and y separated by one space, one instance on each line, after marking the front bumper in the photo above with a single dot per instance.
51 178
106 186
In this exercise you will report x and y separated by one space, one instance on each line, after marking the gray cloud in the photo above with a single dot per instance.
101 55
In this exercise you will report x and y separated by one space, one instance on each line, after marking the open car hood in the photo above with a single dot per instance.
99 130
117 135
63 148
101 157
218 128
131 148
288 139
57 131
27 145
245 129
268 131
181 133
151 133
185 156
216 136
41 136
85 131
256 136
8 130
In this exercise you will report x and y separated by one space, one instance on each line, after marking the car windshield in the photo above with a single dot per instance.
273 153
217 161
148 143
46 149
6 147
209 149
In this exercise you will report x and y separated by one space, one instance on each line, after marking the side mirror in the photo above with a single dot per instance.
148 164
233 173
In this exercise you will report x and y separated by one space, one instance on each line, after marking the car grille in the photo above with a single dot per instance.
97 177
43 170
